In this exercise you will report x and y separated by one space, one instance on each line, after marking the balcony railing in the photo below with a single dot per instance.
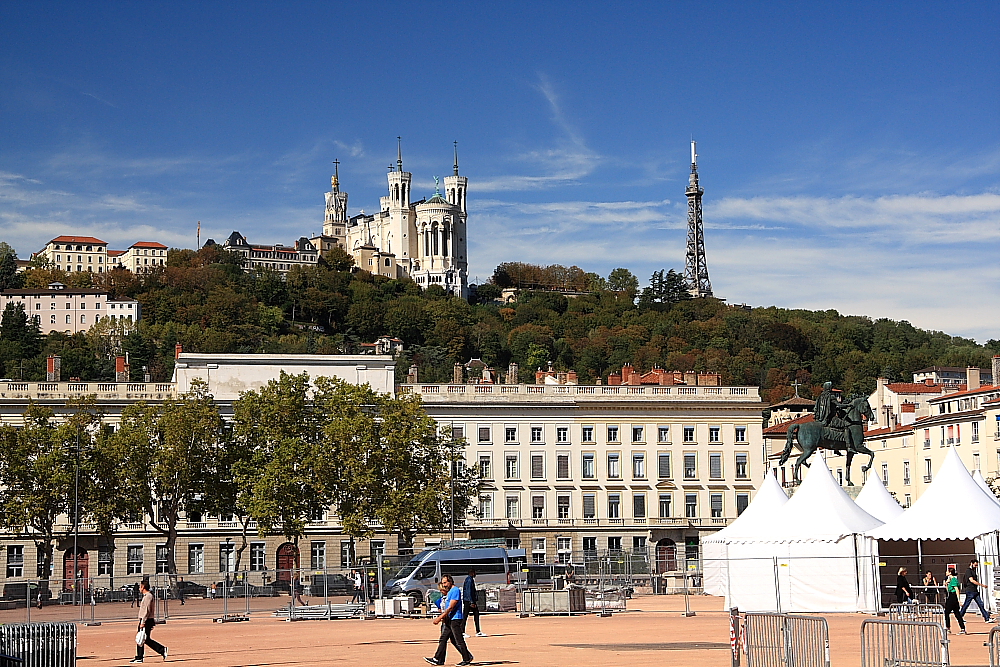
107 390
584 392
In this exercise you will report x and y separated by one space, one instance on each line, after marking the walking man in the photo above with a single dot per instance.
452 622
147 609
358 587
470 597
972 590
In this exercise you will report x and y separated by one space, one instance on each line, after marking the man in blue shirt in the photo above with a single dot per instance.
452 622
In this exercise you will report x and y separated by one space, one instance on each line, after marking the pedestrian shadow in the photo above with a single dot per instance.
495 662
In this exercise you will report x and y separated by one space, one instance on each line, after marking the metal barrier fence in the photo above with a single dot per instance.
786 640
906 611
608 599
40 644
994 646
887 643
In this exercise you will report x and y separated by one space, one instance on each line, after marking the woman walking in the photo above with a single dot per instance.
952 586
903 591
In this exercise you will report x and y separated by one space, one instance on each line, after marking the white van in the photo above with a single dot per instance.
425 570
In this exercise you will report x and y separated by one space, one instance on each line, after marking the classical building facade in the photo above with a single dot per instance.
425 240
278 258
70 309
77 254
566 469
141 256
569 469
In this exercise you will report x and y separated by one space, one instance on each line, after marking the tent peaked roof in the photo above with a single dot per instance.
978 477
876 500
819 511
953 507
766 504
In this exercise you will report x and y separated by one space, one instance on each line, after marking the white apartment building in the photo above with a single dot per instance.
571 468
78 254
70 309
141 256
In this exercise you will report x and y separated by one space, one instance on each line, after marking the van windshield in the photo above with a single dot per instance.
408 569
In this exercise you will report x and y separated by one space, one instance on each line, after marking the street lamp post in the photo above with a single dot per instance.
76 518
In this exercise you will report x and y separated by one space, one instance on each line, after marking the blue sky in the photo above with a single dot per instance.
850 152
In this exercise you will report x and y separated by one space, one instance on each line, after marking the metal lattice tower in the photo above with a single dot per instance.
695 267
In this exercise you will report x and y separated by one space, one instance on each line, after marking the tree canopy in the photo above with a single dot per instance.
575 319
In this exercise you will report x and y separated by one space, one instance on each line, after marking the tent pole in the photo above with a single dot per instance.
920 556
777 587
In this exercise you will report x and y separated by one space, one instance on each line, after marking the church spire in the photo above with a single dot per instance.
456 158
399 153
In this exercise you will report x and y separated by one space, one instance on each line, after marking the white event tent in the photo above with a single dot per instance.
811 555
978 477
767 502
876 500
957 515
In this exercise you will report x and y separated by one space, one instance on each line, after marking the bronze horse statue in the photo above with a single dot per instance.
814 435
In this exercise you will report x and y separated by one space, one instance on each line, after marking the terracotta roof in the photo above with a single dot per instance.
899 428
149 244
794 401
914 388
985 389
78 239
115 253
782 428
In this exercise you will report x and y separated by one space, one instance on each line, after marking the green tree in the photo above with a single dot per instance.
624 283
276 428
37 476
173 452
9 277
385 459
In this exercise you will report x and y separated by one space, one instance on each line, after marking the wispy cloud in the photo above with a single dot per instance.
566 162
101 100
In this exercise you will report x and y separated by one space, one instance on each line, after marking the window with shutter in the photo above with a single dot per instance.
562 466
537 466
538 507
589 506
664 466
639 506
715 466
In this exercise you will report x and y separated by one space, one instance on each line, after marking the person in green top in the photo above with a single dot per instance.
952 586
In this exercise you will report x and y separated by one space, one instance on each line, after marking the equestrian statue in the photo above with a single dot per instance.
838 425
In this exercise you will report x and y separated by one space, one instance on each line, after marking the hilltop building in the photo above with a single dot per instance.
70 309
424 240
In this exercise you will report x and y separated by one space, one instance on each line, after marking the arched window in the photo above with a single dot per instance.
427 241
435 249
444 240
404 193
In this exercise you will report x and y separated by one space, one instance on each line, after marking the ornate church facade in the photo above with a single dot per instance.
424 240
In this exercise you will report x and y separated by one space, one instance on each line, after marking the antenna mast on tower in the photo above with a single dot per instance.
695 266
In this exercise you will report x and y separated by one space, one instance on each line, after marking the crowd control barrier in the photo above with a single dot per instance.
40 644
786 640
886 643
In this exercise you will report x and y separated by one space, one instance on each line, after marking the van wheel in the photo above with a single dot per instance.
417 598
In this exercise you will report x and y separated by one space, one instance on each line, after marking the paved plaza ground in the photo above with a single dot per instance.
653 631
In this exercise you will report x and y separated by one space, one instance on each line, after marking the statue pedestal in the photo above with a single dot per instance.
853 491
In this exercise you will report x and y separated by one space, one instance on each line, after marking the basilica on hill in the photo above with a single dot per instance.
424 240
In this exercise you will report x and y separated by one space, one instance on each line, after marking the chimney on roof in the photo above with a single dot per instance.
458 374
413 374
512 372
907 414
53 368
996 370
177 351
972 373
121 369
929 382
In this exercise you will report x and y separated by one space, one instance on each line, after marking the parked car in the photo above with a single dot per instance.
241 590
325 585
188 589
18 590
